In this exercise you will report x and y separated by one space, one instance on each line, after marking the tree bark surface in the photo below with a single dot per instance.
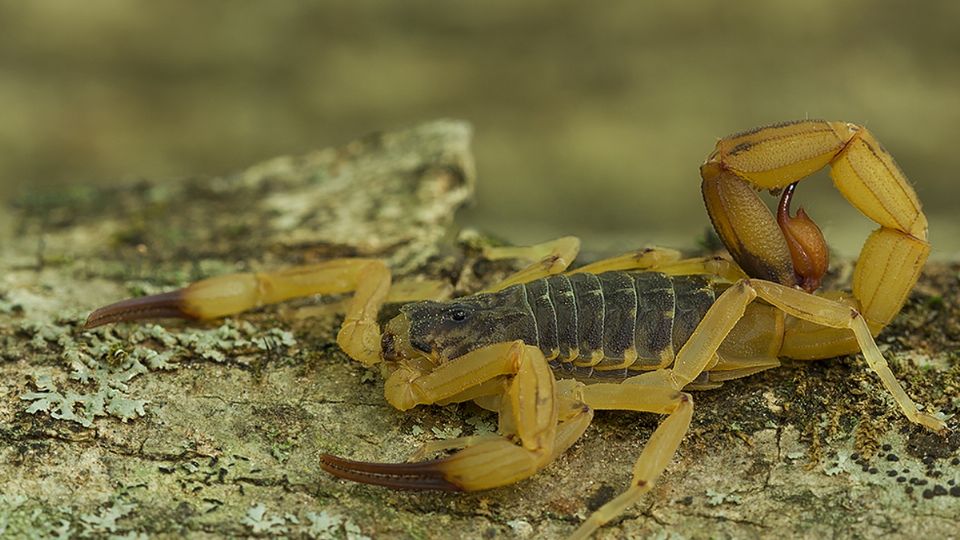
213 429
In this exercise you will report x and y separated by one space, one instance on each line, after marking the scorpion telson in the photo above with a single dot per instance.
808 249
547 347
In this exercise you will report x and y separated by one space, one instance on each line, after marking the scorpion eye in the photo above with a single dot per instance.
458 315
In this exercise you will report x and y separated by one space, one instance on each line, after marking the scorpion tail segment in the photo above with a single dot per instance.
770 157
420 476
808 249
868 177
746 226
774 156
893 256
158 306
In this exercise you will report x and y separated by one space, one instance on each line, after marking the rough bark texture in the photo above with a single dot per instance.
214 429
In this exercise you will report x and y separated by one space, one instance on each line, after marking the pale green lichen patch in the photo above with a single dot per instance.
21 518
321 525
101 364
81 408
260 523
105 521
716 498
9 307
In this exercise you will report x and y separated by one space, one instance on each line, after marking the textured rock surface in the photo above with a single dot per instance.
214 429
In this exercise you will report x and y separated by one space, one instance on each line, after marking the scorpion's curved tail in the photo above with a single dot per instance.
776 157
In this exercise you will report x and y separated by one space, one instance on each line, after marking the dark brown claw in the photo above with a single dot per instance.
157 306
808 249
420 476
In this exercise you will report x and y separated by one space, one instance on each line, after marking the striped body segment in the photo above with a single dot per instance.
587 325
614 320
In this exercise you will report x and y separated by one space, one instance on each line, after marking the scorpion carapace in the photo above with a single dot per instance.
637 332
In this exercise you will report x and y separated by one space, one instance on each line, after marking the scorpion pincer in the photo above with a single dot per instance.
548 346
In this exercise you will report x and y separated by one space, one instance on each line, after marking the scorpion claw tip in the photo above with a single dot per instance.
419 476
148 307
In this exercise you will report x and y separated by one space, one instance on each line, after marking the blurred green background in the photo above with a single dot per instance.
591 117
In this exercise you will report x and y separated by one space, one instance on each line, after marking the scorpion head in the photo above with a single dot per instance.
442 331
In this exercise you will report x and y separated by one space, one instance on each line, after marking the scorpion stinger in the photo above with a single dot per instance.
808 249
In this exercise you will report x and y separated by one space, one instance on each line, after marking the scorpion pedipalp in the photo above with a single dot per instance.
157 306
421 475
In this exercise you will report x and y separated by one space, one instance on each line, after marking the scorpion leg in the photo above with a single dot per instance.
723 315
662 390
571 407
552 257
662 393
838 315
709 266
657 453
667 261
542 421
555 256
641 259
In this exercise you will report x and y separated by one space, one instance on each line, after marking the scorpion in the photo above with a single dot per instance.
548 346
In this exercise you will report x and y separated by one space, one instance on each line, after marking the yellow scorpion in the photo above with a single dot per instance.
548 346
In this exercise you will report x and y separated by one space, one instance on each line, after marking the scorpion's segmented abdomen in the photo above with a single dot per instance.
616 320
